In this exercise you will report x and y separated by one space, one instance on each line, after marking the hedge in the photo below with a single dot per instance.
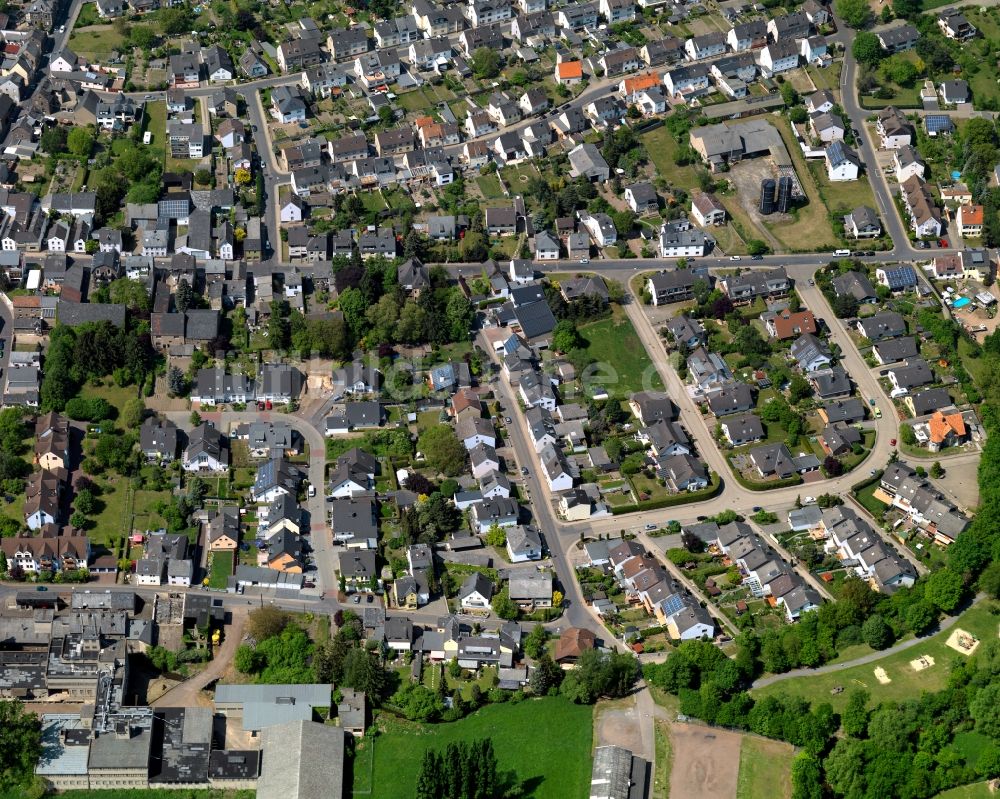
861 486
754 486
674 499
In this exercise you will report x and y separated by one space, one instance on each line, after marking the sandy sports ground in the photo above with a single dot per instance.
706 762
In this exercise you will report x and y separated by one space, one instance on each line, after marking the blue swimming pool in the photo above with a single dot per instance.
961 302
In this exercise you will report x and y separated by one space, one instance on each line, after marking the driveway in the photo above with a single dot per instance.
189 693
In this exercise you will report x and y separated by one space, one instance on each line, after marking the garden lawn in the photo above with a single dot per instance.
222 570
156 123
416 101
905 682
88 16
662 148
96 40
826 77
614 344
545 743
765 769
866 496
843 195
489 185
728 240
108 524
116 395
372 201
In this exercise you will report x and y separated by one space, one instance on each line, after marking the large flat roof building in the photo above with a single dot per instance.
302 760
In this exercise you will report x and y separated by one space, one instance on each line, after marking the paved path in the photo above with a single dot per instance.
902 646
189 692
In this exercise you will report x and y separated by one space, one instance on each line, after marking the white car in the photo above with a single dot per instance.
312 491
735 258
808 500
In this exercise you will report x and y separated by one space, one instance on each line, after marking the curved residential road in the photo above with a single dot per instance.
861 661
320 540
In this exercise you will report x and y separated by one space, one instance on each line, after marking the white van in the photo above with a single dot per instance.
841 253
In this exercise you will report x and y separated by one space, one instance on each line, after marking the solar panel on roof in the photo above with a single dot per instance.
937 123
673 604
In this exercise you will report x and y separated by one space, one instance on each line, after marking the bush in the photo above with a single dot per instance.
89 410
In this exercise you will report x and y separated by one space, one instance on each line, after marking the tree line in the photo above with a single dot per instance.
463 770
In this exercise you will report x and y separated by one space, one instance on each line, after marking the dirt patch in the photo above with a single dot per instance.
706 762
158 688
618 725
746 177
699 27
922 662
963 642
882 676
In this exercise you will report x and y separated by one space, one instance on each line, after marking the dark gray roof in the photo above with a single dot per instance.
79 313
928 401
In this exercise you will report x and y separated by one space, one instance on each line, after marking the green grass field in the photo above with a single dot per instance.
489 185
417 100
906 683
765 769
545 743
222 569
978 790
116 395
811 223
664 759
845 194
97 40
867 499
614 344
662 148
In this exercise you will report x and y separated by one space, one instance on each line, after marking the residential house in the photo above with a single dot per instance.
842 163
207 450
862 223
970 221
913 374
708 210
898 38
669 287
893 128
810 353
158 440
897 278
783 324
742 429
954 25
